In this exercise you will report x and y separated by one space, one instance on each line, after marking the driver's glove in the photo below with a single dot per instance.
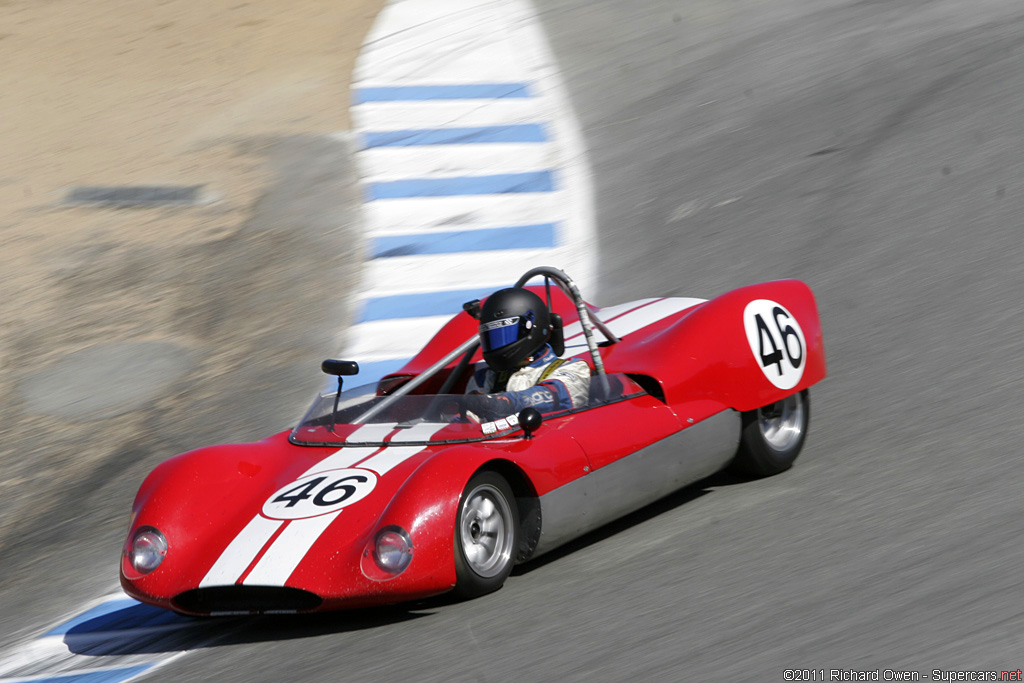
489 406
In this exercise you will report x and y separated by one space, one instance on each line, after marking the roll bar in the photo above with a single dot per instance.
588 319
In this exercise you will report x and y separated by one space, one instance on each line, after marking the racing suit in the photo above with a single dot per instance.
548 384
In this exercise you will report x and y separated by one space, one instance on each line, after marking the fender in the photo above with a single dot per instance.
200 500
706 361
426 504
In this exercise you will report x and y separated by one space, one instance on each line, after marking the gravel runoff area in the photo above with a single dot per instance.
129 334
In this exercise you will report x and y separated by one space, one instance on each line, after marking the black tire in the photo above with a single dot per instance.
772 436
486 535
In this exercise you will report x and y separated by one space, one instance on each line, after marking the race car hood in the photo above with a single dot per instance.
273 514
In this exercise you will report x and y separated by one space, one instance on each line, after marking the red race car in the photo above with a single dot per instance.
397 490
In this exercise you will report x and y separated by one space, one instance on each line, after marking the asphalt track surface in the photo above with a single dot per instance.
873 149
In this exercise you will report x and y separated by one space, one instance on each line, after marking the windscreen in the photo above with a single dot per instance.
363 417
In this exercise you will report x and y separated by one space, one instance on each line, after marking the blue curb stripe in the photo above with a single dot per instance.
419 305
472 91
139 616
485 239
104 676
538 181
118 615
527 132
109 607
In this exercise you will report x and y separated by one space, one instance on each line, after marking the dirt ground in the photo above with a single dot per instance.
233 95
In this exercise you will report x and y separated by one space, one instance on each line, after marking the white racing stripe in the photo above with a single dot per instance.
367 433
346 457
420 432
244 548
652 313
649 313
391 457
240 553
288 550
609 312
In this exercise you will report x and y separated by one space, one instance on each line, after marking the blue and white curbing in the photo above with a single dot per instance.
472 166
110 641
473 171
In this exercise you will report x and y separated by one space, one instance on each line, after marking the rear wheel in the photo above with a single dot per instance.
773 436
486 531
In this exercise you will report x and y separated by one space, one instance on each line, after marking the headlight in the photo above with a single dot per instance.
393 549
147 550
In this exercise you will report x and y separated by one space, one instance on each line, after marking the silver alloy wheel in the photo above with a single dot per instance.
487 537
782 423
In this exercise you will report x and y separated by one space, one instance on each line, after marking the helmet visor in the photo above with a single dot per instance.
502 332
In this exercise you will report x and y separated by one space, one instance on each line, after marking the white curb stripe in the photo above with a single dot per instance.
382 164
484 269
533 236
374 116
421 214
408 335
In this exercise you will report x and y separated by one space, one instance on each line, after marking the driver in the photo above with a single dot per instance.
520 369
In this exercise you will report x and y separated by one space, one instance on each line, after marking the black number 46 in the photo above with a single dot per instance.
334 493
774 357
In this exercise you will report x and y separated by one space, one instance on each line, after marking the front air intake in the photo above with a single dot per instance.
246 600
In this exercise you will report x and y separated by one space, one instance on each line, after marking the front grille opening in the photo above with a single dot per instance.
247 600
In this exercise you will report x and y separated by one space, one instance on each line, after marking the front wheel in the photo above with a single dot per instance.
773 435
486 532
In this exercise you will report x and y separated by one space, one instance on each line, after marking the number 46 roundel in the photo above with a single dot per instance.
319 494
777 342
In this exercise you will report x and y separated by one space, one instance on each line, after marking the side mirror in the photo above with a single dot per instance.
530 420
340 367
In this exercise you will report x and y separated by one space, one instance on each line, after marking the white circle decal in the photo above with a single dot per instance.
320 493
776 341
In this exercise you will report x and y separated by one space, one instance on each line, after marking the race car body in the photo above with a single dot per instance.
396 490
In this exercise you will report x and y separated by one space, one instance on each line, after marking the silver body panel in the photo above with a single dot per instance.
638 479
